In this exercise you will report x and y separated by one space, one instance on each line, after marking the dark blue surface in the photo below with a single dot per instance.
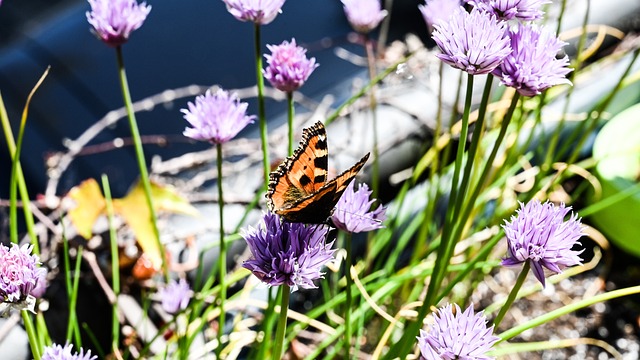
181 43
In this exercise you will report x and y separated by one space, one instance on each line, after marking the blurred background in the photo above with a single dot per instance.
182 43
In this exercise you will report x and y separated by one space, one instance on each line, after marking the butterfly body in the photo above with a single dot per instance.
298 189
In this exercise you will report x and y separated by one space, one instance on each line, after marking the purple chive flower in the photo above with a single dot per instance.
216 118
540 235
288 67
363 15
175 296
523 10
287 253
533 66
41 285
58 352
474 42
457 336
20 273
435 11
261 12
353 212
113 21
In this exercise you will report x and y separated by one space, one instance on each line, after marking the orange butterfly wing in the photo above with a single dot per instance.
297 189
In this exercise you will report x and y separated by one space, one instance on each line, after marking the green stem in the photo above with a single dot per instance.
466 177
17 176
473 148
443 256
261 112
290 120
375 173
347 310
402 347
31 333
600 298
488 165
142 165
512 295
222 258
282 323
436 133
73 330
115 265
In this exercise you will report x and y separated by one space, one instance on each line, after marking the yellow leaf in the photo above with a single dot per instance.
133 209
90 204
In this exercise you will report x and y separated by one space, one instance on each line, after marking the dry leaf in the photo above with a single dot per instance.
90 204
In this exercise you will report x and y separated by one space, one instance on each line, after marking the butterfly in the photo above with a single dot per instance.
298 189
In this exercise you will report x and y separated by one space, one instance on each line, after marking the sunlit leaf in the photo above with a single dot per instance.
133 209
90 204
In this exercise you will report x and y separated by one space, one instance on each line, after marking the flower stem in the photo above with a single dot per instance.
401 348
222 258
282 323
31 333
371 61
443 251
290 119
261 114
512 295
142 166
347 312
115 264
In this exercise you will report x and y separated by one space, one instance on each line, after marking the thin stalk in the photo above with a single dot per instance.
384 27
402 347
17 175
142 164
31 334
222 258
347 308
489 164
436 134
282 323
371 64
73 329
443 258
512 295
261 112
473 148
600 298
115 265
454 115
290 120
466 177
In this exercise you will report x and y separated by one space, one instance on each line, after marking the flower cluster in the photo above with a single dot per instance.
175 296
540 235
532 65
20 273
113 21
58 352
435 11
216 118
474 42
352 213
363 15
523 10
287 253
261 12
288 67
457 335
